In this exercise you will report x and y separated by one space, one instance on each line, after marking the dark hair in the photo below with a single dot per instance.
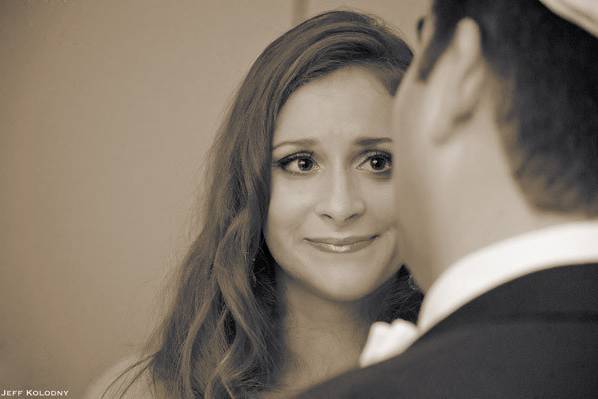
548 71
219 339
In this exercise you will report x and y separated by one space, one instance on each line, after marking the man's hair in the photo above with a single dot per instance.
547 69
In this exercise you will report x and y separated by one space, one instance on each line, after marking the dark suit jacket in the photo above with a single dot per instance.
534 337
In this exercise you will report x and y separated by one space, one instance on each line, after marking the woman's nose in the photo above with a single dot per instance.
340 199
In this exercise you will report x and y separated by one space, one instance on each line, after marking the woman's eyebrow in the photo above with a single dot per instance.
369 141
300 142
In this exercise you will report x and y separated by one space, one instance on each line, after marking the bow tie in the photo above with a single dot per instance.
387 340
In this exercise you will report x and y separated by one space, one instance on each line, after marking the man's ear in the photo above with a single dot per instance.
471 69
459 76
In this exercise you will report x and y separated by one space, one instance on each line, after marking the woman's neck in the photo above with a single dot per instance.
322 338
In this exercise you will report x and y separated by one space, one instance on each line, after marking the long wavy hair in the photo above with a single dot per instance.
220 337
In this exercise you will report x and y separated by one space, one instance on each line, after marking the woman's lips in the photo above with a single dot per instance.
341 245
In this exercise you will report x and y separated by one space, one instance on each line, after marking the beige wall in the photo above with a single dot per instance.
106 111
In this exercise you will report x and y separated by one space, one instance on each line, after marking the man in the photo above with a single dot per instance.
497 183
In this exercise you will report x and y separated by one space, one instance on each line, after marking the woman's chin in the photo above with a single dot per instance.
348 291
353 278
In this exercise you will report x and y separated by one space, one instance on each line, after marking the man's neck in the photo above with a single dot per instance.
487 268
492 225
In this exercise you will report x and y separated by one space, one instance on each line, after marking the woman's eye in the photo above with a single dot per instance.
305 164
298 164
377 163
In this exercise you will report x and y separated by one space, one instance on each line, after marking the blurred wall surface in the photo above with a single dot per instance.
106 112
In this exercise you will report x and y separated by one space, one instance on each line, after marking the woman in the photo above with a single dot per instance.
298 255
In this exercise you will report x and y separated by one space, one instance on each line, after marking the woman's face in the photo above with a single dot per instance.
330 223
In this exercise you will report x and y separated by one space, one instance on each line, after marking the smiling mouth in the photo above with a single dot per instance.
341 245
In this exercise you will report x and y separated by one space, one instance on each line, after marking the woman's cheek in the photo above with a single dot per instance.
290 203
380 200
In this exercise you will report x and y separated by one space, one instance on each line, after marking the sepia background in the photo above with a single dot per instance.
107 109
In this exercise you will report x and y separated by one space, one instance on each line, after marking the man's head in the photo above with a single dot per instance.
496 128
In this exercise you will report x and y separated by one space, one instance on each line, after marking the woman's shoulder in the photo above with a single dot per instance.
126 379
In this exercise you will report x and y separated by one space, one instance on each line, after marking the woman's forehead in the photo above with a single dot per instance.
348 104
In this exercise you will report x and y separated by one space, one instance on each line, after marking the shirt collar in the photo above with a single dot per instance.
489 267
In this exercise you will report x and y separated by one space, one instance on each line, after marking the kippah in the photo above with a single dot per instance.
583 13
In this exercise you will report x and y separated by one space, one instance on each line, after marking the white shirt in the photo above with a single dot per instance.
482 271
